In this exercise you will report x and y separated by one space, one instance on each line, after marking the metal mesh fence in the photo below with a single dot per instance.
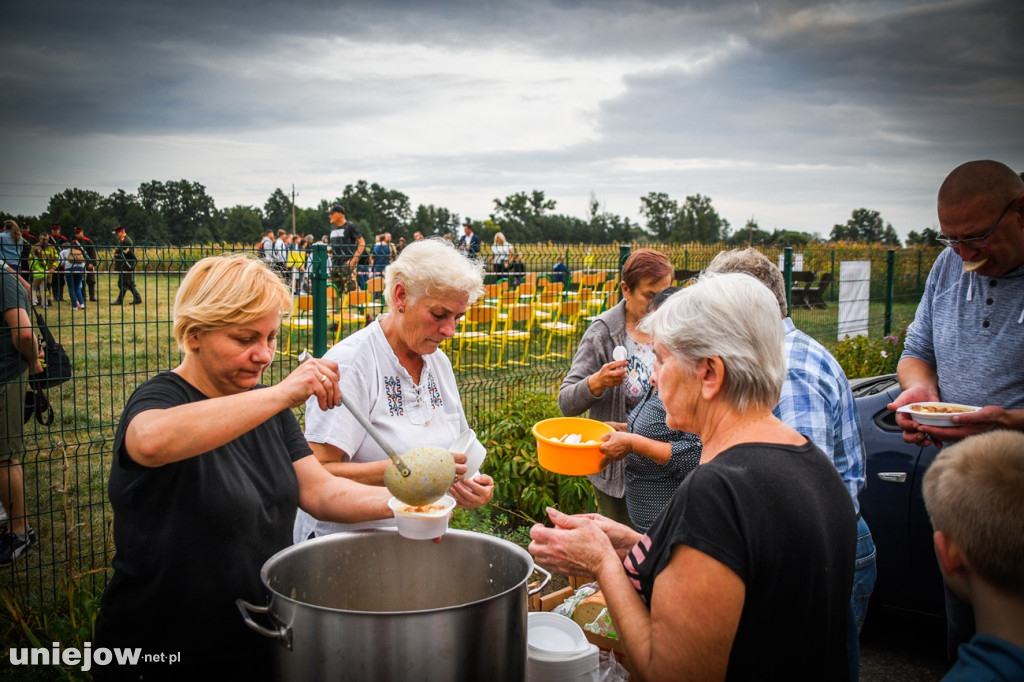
114 348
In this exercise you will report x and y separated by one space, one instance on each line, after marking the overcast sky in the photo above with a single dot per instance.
794 112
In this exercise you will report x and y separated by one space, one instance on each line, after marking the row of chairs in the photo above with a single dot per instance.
501 317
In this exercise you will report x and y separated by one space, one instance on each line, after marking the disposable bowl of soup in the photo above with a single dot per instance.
570 445
425 522
935 413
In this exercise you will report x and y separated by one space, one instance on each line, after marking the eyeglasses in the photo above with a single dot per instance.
976 242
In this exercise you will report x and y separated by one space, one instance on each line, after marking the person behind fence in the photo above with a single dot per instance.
125 262
50 257
208 469
74 273
38 271
394 373
972 492
91 261
501 250
973 302
19 359
11 244
611 388
347 246
747 573
817 401
657 459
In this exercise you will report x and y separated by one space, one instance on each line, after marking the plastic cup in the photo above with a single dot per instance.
468 444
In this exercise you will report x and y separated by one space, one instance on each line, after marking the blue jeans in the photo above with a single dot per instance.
75 277
864 574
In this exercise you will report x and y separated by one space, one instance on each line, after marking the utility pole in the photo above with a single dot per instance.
293 208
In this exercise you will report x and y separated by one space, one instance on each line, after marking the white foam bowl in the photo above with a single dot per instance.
422 525
468 444
550 635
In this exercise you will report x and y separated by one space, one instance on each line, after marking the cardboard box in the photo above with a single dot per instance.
548 602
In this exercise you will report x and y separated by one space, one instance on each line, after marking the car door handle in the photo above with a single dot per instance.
893 476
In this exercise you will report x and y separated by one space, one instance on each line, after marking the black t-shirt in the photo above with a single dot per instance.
192 536
344 240
780 518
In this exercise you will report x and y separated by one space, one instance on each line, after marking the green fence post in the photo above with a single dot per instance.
319 280
623 255
787 274
890 285
833 288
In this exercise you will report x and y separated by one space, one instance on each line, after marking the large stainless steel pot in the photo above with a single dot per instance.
372 605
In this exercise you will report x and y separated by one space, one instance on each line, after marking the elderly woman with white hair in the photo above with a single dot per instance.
392 371
747 573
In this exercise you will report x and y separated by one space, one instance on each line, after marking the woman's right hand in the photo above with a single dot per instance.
315 376
611 374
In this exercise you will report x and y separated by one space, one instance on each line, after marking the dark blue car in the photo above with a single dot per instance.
892 503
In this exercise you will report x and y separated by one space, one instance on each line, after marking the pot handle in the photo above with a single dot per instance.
544 583
283 634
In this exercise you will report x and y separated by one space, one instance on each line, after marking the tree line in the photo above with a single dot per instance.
179 212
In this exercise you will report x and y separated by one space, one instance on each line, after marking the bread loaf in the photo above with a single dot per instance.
589 609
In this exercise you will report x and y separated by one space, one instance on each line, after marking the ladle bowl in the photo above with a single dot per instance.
432 473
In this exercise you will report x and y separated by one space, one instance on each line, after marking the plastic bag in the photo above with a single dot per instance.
609 668
602 625
568 607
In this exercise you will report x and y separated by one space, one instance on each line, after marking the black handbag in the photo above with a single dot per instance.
37 404
56 363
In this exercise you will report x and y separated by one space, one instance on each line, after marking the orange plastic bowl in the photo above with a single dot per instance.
570 459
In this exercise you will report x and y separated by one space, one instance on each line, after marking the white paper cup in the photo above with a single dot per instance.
474 450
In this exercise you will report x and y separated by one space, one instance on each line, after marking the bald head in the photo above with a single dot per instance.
974 179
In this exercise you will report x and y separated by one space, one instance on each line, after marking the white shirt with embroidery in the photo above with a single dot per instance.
406 414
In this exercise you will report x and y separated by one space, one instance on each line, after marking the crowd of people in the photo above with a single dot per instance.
728 541
54 264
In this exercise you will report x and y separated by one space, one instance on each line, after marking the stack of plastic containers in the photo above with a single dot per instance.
558 651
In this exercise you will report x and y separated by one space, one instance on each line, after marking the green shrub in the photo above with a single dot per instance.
862 356
520 484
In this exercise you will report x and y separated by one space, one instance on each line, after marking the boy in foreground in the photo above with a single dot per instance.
973 495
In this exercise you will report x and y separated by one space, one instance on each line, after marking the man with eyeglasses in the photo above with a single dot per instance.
966 343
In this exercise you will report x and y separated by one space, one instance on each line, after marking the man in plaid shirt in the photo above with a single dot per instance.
816 400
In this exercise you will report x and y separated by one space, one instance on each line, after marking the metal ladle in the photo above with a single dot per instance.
430 475
427 480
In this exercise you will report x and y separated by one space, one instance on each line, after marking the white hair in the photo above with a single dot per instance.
732 316
433 268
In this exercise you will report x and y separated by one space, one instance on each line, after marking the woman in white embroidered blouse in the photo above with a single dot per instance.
393 371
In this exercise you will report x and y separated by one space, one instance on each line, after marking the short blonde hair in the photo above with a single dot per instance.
433 268
973 492
734 317
221 291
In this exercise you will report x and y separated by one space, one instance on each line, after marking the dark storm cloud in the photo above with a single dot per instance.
846 101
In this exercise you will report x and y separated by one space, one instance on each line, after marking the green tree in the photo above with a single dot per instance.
926 238
700 222
121 208
434 220
662 214
277 212
521 215
76 208
243 225
188 212
375 209
867 227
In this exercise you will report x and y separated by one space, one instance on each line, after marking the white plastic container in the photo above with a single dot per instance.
558 650
422 525
468 444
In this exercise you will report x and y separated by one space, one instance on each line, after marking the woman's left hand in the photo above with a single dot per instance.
473 492
615 446
575 546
